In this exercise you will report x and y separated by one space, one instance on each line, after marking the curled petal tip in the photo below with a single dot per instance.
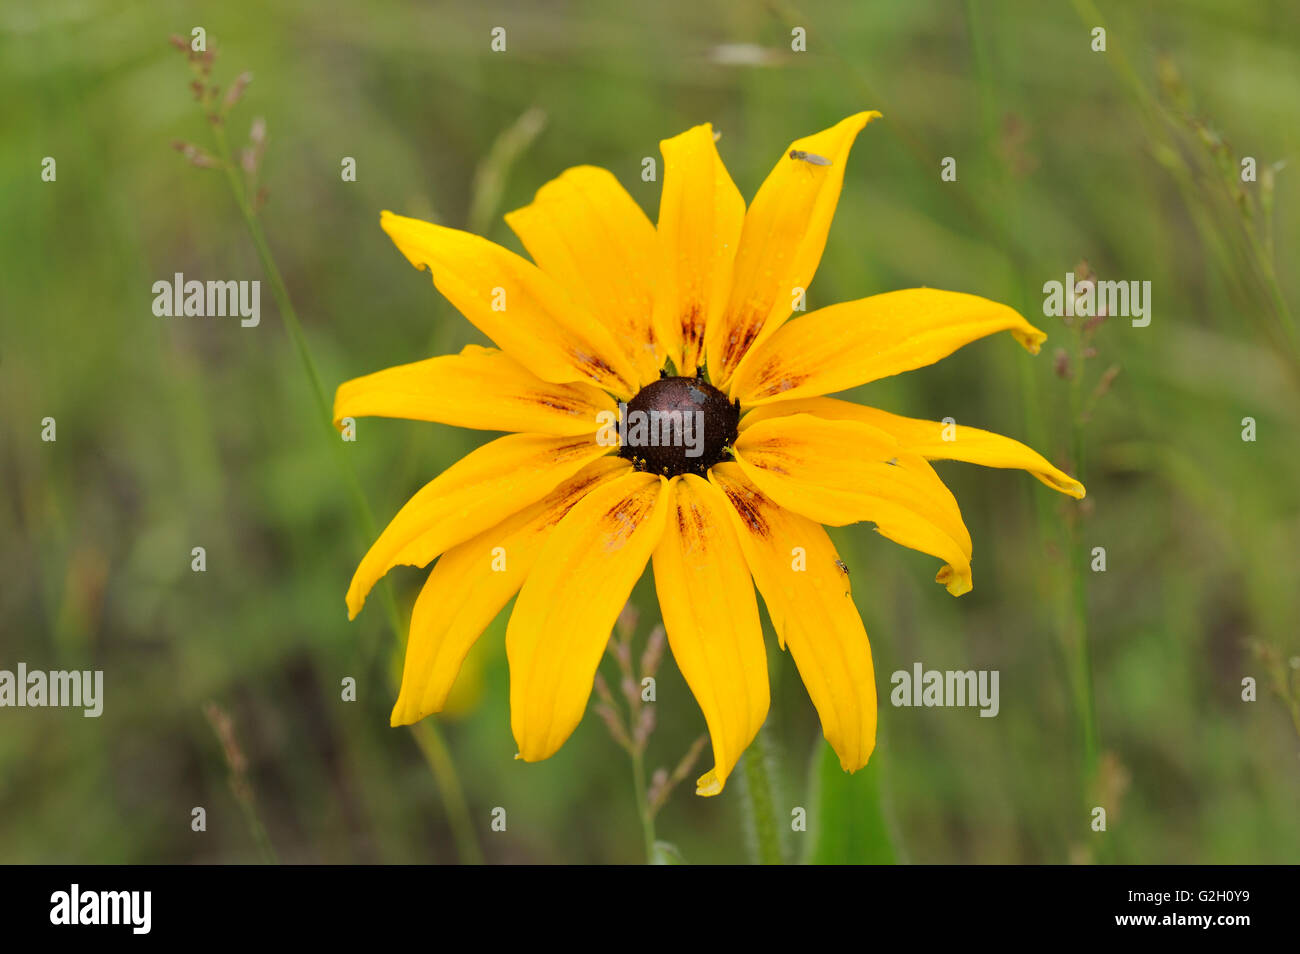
860 120
1032 340
958 584
708 784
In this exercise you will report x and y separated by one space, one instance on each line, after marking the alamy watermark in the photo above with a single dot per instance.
637 428
213 299
946 688
1089 298
75 906
56 688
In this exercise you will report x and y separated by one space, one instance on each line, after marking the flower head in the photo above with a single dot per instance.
728 456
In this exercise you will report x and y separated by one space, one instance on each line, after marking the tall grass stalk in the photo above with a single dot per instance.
428 737
1052 521
1256 254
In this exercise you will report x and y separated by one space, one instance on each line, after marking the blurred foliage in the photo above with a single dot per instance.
175 433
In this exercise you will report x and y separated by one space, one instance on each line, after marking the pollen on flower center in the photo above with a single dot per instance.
677 426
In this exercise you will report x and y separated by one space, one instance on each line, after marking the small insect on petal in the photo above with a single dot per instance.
809 157
844 568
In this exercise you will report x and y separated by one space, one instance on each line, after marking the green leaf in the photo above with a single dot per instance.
846 818
666 853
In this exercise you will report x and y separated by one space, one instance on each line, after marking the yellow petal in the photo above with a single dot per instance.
587 233
839 472
781 244
811 607
470 584
568 605
841 346
512 301
701 213
478 491
933 440
480 387
711 618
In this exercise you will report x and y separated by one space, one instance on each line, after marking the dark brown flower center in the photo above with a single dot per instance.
677 426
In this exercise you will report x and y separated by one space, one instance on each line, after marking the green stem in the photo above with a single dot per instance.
761 802
1078 650
1268 272
258 830
643 803
427 735
434 749
1084 698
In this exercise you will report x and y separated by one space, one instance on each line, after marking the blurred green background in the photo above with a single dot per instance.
176 433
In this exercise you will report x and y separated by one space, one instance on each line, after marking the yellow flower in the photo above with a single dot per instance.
689 315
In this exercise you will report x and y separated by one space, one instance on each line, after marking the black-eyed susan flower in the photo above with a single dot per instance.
692 316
